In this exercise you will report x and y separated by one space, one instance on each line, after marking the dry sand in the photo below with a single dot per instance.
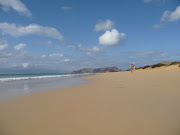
144 103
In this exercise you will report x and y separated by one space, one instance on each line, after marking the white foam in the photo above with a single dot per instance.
38 77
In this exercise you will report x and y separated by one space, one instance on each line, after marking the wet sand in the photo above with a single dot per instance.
144 103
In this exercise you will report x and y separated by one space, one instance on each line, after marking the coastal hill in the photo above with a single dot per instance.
161 64
115 69
97 70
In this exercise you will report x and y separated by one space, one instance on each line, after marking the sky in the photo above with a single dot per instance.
54 36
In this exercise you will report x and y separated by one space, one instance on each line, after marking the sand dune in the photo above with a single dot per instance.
169 68
144 103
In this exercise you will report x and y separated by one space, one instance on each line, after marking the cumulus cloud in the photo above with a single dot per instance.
25 65
171 16
19 46
112 37
16 5
104 25
32 29
3 44
66 8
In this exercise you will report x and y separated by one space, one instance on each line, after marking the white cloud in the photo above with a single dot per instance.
17 5
92 52
67 60
43 56
56 55
2 47
95 49
112 37
171 16
66 8
32 29
89 54
3 44
147 1
19 46
82 48
104 25
157 26
25 65
5 55
145 53
57 47
49 42
150 53
89 51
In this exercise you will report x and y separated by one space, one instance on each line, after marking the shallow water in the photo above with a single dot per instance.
13 89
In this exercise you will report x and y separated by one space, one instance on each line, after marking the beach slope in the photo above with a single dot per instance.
146 102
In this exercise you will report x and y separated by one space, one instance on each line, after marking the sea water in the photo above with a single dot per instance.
14 85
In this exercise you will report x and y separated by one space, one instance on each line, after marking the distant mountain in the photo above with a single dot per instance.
98 70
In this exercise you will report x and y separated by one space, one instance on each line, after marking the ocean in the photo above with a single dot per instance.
15 85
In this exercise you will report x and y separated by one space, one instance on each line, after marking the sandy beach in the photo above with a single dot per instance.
146 102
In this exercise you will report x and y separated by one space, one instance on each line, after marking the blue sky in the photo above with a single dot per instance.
66 35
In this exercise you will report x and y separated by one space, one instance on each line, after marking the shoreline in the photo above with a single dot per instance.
18 88
145 102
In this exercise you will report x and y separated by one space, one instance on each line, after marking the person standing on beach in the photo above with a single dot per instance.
132 68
